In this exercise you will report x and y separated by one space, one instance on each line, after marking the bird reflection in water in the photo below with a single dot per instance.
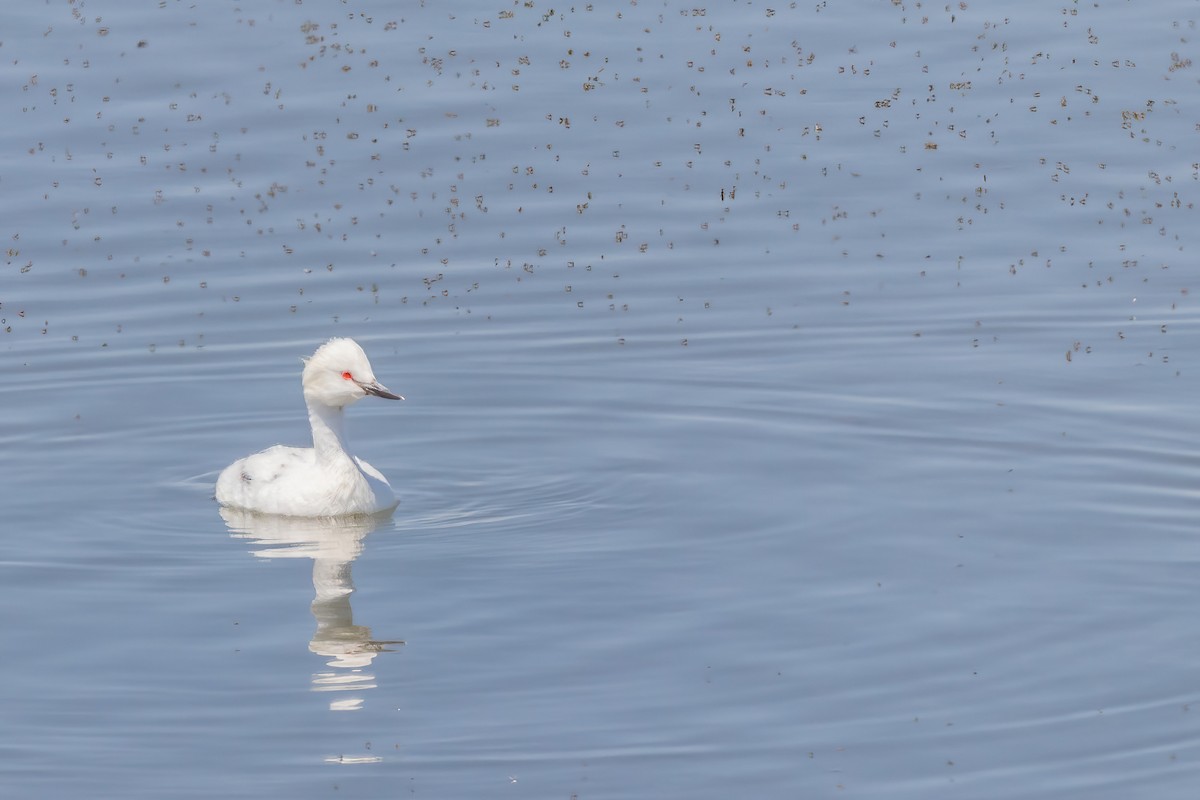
332 544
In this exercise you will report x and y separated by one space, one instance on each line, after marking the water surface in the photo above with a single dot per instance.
799 400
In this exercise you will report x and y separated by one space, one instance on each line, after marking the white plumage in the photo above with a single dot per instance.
323 480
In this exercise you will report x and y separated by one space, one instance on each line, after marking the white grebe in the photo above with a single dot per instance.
323 480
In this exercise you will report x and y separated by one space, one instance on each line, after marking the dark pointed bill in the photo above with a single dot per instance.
379 390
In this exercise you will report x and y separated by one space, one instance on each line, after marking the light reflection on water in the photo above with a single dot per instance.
333 545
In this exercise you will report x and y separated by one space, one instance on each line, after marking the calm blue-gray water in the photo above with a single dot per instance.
800 399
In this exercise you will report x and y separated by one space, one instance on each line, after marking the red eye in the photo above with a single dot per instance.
347 376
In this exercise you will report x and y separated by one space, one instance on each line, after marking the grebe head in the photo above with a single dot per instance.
339 374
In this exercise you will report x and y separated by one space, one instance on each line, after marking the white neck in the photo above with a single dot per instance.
329 438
